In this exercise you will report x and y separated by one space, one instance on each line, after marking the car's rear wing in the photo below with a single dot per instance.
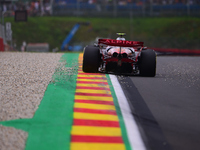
122 43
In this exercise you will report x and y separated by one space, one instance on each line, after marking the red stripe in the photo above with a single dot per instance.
95 102
93 94
85 122
104 78
91 82
96 111
93 88
96 139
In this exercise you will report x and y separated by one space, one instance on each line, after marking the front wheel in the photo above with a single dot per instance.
147 63
91 59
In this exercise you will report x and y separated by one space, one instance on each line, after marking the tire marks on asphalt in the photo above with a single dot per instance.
150 130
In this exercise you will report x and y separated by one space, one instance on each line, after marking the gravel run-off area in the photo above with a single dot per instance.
24 78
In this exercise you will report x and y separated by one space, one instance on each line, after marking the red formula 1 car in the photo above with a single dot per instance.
119 56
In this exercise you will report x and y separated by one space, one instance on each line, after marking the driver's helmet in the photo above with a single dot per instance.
121 38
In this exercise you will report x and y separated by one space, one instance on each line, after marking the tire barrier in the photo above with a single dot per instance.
1 45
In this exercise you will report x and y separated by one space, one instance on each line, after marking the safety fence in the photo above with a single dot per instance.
114 10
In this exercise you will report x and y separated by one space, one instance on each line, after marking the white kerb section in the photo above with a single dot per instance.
133 133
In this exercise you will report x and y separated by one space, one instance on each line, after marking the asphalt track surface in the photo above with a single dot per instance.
167 106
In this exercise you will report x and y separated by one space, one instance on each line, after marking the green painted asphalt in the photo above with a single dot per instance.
50 128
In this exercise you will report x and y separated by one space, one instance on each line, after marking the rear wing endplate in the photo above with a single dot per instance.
122 43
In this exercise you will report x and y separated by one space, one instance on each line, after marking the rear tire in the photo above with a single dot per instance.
91 59
147 63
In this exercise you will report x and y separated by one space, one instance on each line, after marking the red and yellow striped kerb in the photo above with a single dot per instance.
95 121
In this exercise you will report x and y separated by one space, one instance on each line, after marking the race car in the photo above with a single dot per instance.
119 57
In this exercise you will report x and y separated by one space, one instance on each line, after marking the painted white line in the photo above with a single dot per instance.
134 136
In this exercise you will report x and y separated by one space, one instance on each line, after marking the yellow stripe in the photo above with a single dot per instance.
93 91
92 85
93 80
87 75
93 98
95 131
92 116
80 71
96 146
89 130
94 106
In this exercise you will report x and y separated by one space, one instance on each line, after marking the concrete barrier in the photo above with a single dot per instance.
37 47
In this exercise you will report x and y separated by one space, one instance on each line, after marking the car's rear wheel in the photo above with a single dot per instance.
147 63
91 59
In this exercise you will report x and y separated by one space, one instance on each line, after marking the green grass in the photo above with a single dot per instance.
173 32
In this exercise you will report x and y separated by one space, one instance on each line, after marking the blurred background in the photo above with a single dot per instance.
62 25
